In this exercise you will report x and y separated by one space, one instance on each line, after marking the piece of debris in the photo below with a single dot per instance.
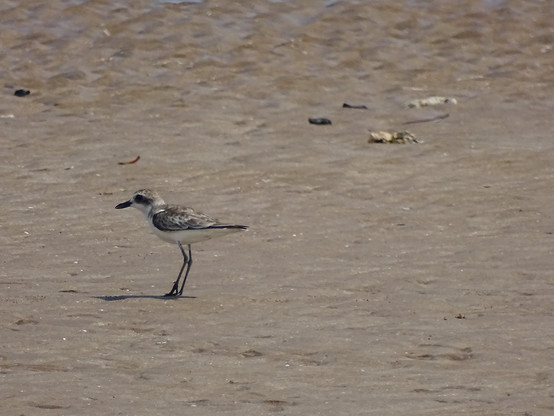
425 102
320 121
359 107
396 137
428 120
250 353
135 160
21 93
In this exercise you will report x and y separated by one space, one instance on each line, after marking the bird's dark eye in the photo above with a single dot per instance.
139 198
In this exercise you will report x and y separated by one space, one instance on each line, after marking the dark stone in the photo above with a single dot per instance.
21 93
320 121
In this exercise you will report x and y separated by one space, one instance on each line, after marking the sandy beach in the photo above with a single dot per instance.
375 279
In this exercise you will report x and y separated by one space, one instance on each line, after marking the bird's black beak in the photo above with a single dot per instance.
125 204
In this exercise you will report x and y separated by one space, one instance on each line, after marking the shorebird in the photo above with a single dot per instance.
178 224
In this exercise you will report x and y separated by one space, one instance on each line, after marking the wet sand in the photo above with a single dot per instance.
375 279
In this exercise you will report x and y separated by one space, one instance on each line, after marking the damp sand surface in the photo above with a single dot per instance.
375 279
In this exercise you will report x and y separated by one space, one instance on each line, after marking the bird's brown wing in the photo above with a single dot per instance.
174 218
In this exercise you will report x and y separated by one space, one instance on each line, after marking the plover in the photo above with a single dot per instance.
178 224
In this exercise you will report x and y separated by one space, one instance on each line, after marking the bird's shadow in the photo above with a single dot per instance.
160 297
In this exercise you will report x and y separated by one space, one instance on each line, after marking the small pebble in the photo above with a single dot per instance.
359 107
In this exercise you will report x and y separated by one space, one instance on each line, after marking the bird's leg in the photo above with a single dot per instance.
189 262
175 288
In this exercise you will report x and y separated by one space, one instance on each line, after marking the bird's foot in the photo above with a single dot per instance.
171 294
174 290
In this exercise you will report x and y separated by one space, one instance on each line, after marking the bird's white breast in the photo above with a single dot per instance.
192 236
